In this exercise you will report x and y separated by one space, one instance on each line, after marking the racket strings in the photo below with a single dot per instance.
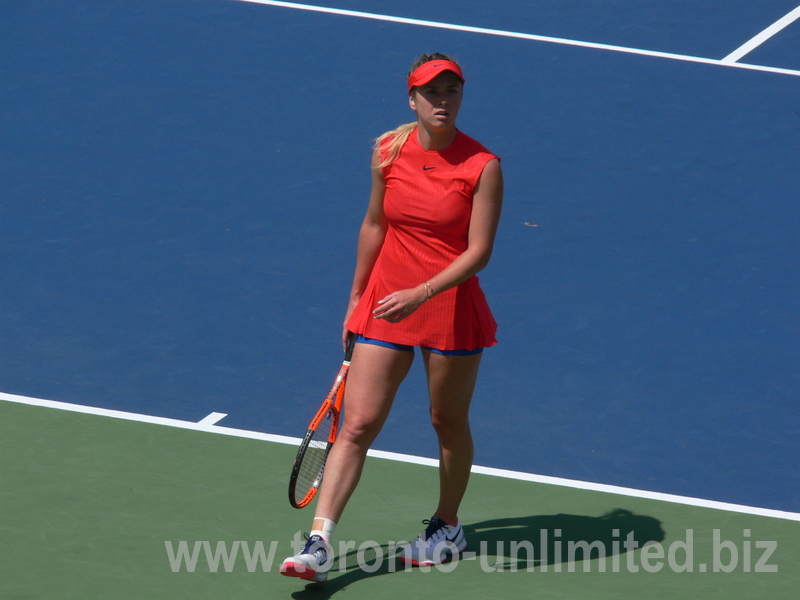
311 469
309 465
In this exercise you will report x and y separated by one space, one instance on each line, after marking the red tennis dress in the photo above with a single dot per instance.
428 204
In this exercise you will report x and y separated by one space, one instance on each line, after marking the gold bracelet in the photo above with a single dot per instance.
428 291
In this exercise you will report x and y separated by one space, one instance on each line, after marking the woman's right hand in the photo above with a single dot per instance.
345 337
345 331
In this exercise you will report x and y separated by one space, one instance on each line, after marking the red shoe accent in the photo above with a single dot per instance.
298 570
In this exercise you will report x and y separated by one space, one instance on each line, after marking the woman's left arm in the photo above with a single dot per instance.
486 206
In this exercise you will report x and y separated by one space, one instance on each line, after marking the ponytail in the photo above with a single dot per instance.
396 139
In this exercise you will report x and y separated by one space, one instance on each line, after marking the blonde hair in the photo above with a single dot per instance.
399 136
396 138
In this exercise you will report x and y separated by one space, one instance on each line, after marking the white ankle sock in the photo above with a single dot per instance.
327 530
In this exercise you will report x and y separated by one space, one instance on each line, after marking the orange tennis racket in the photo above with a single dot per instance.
309 465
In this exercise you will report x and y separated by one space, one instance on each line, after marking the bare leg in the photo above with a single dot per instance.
375 374
451 383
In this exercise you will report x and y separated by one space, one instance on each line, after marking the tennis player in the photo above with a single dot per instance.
430 227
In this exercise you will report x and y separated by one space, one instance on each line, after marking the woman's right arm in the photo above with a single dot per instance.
370 240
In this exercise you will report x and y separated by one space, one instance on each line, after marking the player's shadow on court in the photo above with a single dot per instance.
549 541
534 543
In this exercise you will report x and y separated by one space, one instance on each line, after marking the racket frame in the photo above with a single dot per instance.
333 405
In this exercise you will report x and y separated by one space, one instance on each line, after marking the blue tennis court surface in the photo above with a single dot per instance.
182 182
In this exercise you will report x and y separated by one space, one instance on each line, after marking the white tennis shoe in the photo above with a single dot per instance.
312 563
435 545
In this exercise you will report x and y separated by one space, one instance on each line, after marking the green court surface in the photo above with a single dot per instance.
96 508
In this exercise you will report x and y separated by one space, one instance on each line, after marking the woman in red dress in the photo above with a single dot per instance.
429 228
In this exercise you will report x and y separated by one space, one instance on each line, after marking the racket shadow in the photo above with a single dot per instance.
514 543
525 543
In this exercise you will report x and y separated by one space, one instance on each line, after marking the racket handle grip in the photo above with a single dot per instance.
351 344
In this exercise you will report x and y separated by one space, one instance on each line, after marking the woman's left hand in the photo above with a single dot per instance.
398 305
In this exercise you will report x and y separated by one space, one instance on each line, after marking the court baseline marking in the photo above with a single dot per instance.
729 61
207 425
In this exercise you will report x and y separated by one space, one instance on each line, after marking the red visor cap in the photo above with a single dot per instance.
429 70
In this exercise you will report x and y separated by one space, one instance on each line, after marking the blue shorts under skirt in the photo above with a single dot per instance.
364 340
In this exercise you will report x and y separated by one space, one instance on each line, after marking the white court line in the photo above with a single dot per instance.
524 36
762 37
212 419
405 458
